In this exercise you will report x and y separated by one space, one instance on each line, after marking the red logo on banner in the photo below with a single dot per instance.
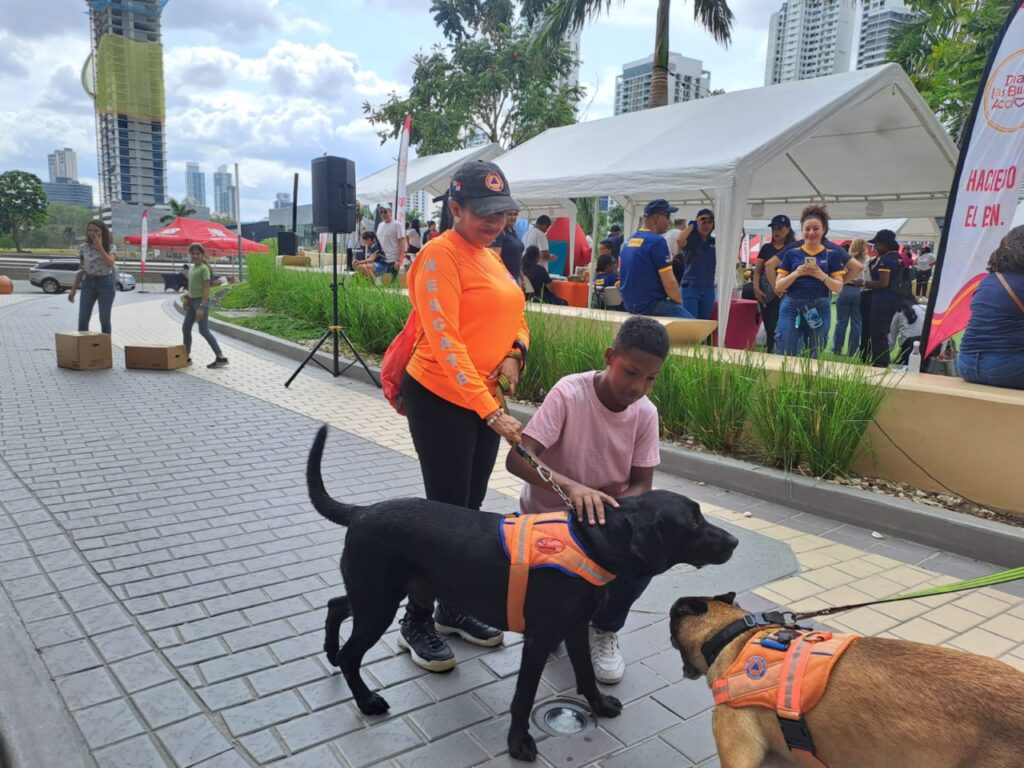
1004 94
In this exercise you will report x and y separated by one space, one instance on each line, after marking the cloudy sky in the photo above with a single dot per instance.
270 84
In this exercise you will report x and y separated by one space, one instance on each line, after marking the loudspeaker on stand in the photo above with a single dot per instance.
334 194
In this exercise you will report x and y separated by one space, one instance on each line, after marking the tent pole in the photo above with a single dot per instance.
238 221
593 251
570 257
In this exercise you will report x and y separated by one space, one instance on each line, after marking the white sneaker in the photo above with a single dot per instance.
609 666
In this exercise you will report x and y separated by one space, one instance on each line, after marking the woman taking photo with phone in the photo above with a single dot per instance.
98 260
808 272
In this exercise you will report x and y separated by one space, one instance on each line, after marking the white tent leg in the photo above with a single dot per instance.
730 205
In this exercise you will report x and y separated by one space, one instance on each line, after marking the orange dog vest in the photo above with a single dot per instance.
542 541
790 681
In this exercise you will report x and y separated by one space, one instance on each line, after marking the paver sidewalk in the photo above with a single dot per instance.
161 556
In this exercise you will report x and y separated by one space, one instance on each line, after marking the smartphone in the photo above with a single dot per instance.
810 261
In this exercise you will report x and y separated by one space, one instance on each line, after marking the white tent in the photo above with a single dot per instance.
863 142
431 173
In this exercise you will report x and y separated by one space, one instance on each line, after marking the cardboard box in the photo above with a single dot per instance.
84 351
155 357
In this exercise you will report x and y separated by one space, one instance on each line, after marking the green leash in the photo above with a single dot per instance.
1002 577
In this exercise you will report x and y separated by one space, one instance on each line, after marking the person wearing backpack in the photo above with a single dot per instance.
992 348
470 345
886 276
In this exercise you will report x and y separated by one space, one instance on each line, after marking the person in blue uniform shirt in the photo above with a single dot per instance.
697 252
646 282
809 271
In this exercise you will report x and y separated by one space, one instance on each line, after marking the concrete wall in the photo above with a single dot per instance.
969 438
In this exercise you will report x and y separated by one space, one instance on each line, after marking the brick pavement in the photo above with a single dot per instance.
158 549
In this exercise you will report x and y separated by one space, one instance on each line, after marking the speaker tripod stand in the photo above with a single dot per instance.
337 332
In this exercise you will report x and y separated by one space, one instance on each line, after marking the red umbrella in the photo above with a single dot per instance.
182 232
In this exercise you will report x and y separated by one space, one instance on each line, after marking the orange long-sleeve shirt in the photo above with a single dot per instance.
470 311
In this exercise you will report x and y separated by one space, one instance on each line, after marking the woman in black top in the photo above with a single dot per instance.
539 277
882 272
764 274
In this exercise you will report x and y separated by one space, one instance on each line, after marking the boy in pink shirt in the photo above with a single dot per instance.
598 434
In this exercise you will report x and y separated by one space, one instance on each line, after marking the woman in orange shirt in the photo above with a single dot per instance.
472 334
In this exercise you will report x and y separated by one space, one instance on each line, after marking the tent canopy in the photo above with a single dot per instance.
863 142
182 232
430 173
844 140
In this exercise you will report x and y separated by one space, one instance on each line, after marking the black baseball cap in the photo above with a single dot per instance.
483 188
886 237
659 206
782 220
705 212
615 228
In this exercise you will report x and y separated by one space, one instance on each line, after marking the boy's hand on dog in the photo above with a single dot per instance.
589 503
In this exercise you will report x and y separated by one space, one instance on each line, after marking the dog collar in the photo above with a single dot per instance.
723 637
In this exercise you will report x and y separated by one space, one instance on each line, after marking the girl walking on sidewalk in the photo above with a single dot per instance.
197 305
98 259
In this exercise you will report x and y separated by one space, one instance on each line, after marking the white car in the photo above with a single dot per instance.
57 276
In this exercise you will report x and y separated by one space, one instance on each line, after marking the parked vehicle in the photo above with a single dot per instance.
58 276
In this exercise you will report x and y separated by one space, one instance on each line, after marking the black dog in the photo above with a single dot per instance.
429 550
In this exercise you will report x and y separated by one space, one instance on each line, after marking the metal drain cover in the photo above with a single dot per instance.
563 717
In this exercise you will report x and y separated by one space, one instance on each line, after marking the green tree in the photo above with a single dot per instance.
182 209
560 16
223 218
487 79
945 50
22 204
63 226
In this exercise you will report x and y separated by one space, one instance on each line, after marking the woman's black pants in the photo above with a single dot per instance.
456 450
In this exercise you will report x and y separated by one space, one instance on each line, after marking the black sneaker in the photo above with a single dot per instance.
469 629
220 362
428 649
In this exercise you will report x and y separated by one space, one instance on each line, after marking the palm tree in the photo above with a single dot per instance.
182 209
560 16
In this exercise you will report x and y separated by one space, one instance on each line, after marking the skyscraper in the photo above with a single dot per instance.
63 165
195 183
879 22
224 193
125 77
809 38
687 80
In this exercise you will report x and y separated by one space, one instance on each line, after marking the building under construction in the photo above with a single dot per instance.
125 77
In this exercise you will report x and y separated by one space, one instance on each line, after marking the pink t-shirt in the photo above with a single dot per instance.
586 442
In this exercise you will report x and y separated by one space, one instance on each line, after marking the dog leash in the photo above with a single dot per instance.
545 475
1002 577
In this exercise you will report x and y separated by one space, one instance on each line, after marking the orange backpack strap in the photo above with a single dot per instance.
519 571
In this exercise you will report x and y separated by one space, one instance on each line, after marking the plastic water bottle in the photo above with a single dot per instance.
914 361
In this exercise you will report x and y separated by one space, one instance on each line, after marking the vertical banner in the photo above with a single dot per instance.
143 246
403 168
985 187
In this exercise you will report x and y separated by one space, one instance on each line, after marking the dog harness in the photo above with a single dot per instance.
544 540
786 670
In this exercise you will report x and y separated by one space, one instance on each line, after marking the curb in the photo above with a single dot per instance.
960 534
37 730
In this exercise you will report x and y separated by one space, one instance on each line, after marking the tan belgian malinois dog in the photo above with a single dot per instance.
889 703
